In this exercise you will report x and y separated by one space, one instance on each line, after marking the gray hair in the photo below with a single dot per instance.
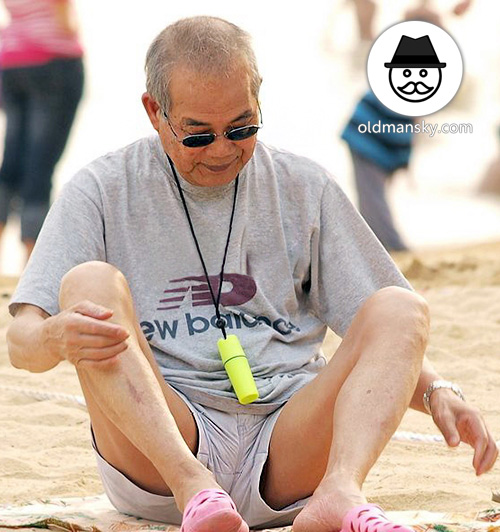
208 45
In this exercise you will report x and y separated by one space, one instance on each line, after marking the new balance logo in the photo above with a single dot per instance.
193 291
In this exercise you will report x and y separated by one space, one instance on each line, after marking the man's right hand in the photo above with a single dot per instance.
82 333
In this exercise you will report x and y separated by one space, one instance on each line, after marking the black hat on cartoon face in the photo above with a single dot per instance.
415 71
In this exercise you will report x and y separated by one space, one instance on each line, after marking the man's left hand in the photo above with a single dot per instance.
459 421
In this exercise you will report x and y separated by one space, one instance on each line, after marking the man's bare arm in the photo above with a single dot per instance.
38 342
26 341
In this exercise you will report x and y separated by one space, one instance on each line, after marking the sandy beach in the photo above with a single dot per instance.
45 448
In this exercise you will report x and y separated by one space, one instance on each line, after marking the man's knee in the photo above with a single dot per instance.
399 310
94 280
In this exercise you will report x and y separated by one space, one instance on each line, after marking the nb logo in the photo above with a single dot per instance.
193 291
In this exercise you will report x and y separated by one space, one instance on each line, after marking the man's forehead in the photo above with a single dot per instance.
186 82
199 100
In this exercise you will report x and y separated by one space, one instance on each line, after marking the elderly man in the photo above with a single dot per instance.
154 253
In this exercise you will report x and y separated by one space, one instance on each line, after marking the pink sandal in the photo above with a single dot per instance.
370 518
212 510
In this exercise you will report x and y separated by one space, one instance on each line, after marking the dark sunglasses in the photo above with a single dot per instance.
204 139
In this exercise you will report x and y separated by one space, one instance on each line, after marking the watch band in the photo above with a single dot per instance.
436 385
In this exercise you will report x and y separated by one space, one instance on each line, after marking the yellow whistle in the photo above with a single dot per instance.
238 369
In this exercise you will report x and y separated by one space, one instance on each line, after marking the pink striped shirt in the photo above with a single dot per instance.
33 36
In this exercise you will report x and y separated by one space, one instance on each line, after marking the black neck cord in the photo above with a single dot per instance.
220 321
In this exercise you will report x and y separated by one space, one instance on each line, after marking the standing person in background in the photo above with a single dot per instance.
376 155
42 84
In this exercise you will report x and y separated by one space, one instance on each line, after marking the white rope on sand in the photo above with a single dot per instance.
43 396
402 435
80 401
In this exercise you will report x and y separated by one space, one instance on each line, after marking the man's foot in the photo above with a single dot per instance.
321 514
325 510
212 510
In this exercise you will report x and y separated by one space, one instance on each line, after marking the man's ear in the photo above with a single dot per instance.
153 110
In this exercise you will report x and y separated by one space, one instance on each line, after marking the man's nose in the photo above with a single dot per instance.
221 146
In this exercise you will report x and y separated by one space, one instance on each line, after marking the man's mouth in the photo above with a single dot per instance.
218 168
412 88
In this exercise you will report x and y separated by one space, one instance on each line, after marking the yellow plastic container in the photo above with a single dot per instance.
238 369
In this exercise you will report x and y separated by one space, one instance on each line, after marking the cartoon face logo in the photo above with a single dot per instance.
414 68
415 84
415 73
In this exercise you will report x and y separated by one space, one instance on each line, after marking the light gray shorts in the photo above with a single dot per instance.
234 447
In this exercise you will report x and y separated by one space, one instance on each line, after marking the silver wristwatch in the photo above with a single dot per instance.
436 385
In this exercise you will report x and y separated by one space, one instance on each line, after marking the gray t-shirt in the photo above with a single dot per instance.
300 259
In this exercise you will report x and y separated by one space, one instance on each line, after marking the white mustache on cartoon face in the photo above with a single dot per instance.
416 88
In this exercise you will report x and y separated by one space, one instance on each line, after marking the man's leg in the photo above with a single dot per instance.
141 425
352 408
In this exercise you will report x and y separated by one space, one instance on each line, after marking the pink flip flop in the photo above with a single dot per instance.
212 510
370 518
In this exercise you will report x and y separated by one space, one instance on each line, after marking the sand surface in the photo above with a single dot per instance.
45 449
